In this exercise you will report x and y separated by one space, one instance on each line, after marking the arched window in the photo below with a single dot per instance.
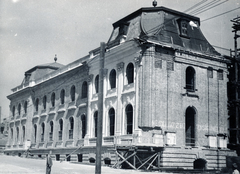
111 121
97 83
130 73
84 89
17 134
13 111
73 90
44 102
23 133
36 104
43 130
71 121
25 107
129 117
190 126
12 133
35 133
95 122
51 131
83 118
60 129
53 99
62 96
190 79
112 79
19 109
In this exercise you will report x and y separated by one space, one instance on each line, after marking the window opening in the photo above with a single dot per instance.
130 73
112 79
111 121
190 79
73 90
95 122
84 89
62 96
53 99
190 126
83 125
129 114
97 83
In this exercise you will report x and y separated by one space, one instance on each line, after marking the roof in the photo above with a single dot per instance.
165 26
53 65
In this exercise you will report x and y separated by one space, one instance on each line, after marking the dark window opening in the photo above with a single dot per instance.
97 83
111 121
13 111
130 73
57 157
51 131
83 125
200 164
62 96
112 79
80 157
71 121
107 161
190 79
84 89
36 105
68 157
60 129
92 160
25 107
35 133
95 122
19 109
73 91
190 126
43 130
44 102
53 99
129 115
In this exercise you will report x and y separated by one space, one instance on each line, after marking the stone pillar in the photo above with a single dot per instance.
119 110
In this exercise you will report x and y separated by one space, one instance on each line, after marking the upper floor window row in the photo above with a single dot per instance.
19 108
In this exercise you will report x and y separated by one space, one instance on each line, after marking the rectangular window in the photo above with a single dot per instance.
170 66
210 73
158 63
220 74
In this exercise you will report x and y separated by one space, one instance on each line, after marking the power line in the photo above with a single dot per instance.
195 5
220 14
205 6
210 7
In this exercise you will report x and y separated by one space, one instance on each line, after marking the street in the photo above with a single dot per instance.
19 165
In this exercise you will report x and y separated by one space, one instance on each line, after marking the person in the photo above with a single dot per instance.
235 170
49 163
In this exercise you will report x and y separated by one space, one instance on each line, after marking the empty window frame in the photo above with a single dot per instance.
44 102
36 104
60 129
190 79
84 89
190 126
62 96
35 133
73 93
130 73
13 111
23 133
71 122
19 109
43 130
95 123
112 79
83 118
97 83
210 72
51 131
111 121
53 99
129 119
25 107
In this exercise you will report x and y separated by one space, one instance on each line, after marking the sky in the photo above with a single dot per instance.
33 31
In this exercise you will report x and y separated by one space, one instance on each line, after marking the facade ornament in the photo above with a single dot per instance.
138 60
90 77
120 66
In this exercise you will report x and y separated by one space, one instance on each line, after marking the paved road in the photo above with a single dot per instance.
18 165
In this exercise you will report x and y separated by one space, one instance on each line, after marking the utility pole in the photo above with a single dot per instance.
100 110
236 28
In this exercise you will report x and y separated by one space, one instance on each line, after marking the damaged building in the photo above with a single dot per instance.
165 99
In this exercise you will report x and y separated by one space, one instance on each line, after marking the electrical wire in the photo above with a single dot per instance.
211 7
198 4
220 14
205 6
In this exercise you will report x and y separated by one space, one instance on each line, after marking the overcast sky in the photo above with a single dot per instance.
33 31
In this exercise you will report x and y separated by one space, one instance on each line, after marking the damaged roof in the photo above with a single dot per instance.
162 25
